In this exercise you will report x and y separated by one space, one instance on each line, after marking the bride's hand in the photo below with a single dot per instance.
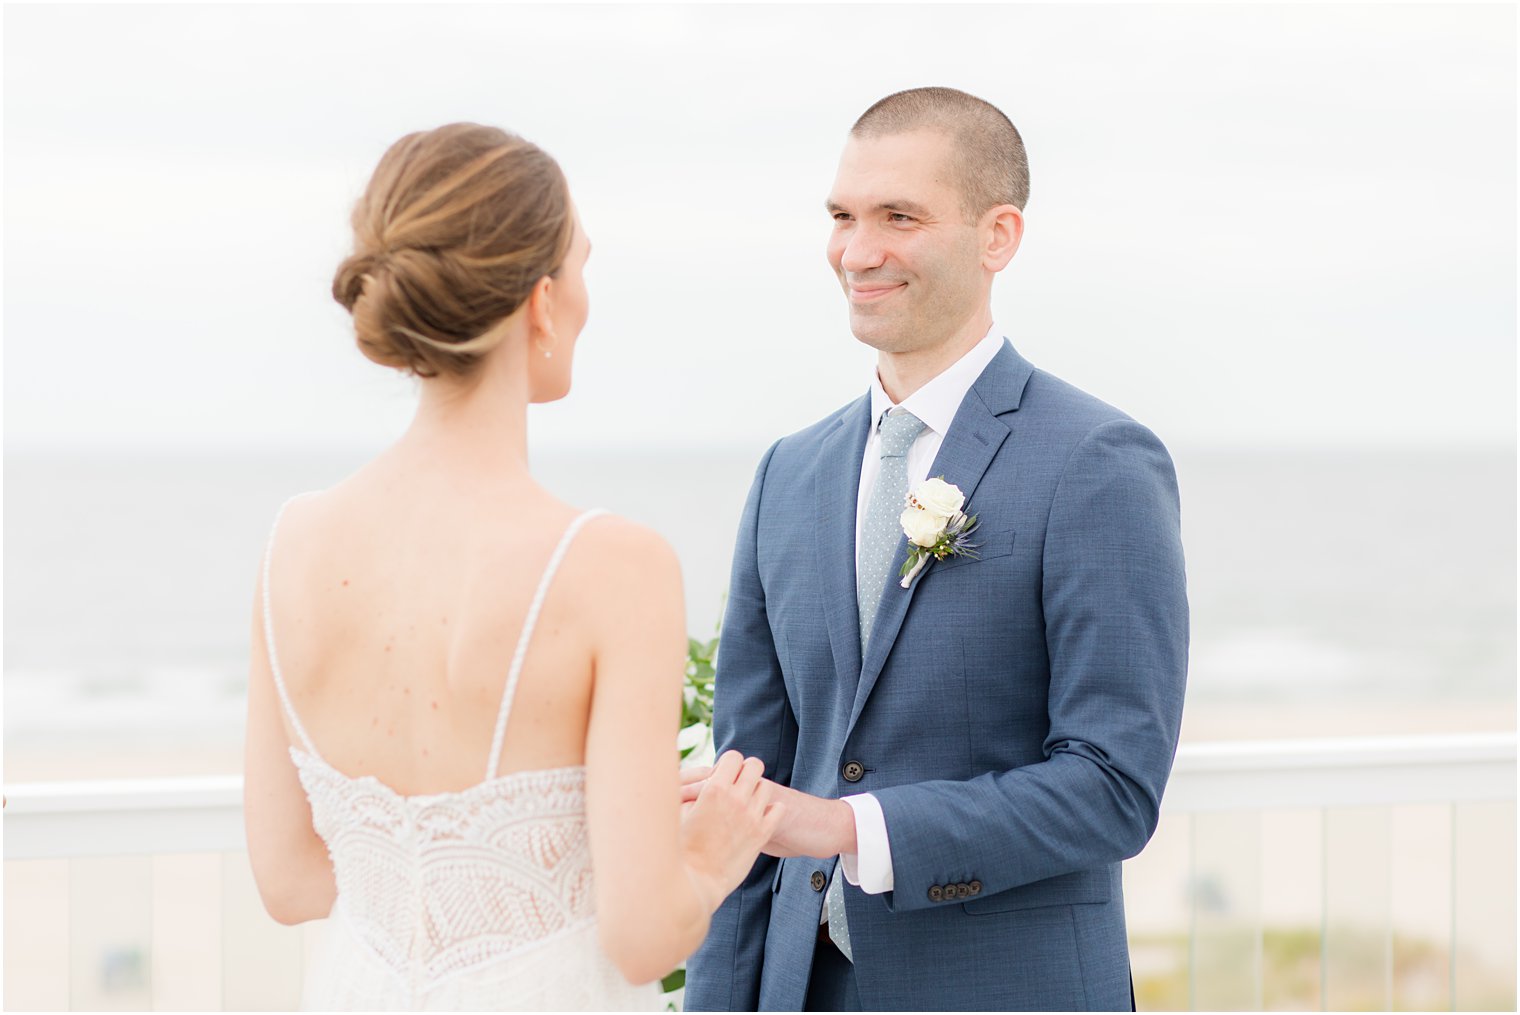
692 778
732 815
814 826
691 784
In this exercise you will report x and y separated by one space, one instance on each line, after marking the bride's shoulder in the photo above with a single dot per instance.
610 546
625 583
623 566
295 517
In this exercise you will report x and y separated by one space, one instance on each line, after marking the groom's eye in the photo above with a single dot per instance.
841 216
898 216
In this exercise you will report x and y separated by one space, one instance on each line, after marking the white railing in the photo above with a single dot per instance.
124 817
1342 772
1205 908
116 817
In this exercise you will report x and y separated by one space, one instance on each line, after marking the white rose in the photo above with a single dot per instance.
939 497
922 528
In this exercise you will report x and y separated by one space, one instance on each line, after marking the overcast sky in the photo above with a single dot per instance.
1248 225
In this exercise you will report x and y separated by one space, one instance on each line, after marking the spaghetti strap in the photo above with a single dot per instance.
526 636
274 659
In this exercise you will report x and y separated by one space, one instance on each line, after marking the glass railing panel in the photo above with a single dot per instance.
187 932
1358 943
1483 906
36 935
110 903
261 960
1292 891
1225 890
1156 910
1420 906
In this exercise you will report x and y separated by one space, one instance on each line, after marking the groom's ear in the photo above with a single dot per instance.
1003 229
540 308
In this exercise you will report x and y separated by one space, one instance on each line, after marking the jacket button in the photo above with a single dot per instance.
854 771
817 881
963 891
936 893
976 887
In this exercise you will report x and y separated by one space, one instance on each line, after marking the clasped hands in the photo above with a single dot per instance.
811 825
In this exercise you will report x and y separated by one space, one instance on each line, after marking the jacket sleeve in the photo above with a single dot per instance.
751 714
1116 632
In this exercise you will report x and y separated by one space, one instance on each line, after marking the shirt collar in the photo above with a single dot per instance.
937 402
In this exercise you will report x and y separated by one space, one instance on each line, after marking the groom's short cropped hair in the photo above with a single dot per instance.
989 154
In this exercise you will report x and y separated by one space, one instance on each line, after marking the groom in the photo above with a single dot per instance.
964 761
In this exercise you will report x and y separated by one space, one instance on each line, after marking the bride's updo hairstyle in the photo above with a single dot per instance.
455 228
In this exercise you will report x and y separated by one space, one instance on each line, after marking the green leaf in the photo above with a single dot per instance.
700 678
675 981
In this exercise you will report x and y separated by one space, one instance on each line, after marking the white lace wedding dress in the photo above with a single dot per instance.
478 900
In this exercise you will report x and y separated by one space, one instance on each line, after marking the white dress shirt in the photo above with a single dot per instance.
935 404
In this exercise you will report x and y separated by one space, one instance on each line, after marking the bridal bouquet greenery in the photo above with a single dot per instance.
695 739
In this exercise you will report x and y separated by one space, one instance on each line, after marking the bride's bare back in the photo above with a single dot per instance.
396 600
398 603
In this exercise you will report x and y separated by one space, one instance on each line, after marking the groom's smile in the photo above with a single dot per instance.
871 292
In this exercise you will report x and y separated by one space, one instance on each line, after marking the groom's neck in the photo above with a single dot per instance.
903 373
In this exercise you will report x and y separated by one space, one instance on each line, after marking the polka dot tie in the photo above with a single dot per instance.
880 533
881 530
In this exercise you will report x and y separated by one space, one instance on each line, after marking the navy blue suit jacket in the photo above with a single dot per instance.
1016 715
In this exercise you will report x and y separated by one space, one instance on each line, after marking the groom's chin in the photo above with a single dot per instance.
874 330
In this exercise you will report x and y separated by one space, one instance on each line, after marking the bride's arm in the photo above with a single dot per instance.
657 883
290 863
650 913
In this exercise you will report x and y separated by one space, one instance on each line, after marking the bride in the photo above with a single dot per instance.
464 693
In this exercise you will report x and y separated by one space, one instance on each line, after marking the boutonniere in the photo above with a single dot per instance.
935 526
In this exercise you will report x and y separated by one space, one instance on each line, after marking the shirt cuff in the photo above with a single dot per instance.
870 867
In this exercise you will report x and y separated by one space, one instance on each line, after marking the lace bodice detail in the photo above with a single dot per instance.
443 884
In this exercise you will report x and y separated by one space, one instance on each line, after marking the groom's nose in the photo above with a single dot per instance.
864 250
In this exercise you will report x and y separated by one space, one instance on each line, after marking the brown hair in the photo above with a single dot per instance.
455 228
989 154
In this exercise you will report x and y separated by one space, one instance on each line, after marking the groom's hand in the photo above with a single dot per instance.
813 826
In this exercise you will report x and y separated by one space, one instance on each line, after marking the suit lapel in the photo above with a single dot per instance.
836 490
968 449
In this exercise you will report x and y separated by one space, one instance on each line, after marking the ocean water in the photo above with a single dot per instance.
1324 576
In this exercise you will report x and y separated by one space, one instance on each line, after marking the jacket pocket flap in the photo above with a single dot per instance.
1062 890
